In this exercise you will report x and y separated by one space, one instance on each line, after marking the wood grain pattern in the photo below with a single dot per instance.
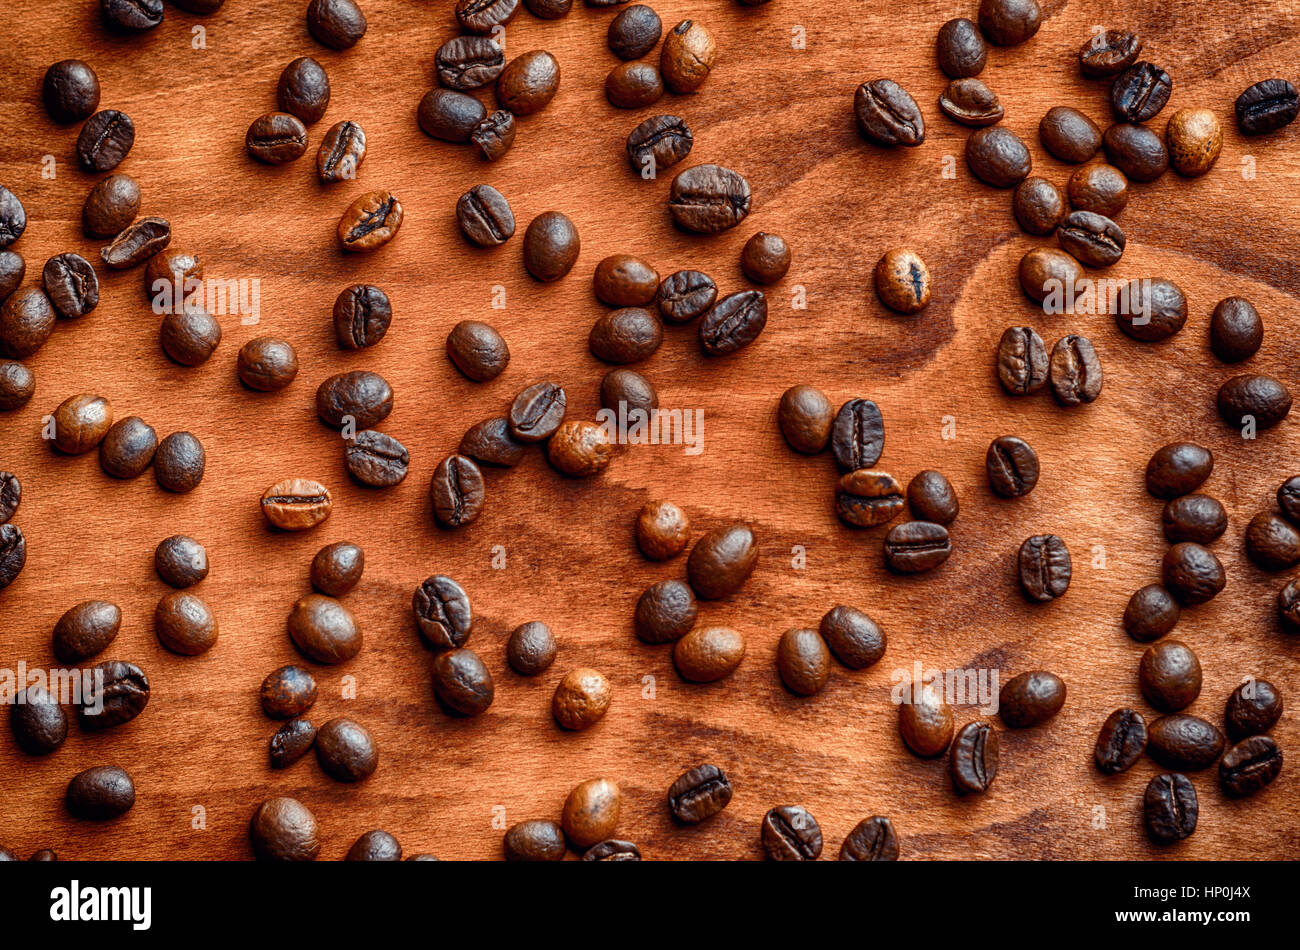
783 118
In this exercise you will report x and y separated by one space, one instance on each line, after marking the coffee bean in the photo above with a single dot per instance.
13 554
529 82
973 758
375 846
1012 467
888 115
581 700
442 612
17 384
916 546
450 116
1170 676
469 62
551 246
1151 613
805 416
549 9
338 24
291 742
1069 135
111 205
132 16
1030 699
180 561
1261 400
1183 742
971 103
803 661
960 49
267 364
1137 151
1249 766
931 498
1195 139
1094 240
902 280
634 32
136 243
1253 708
81 422
1121 742
1140 92
925 721
13 221
591 812
765 259
304 90
276 138
128 447
1109 53
1288 498
1198 518
337 568
484 16
1288 601
296 504
791 833
100 793
580 448
85 630
1169 808
1044 567
1099 188
531 648
376 459
287 692
11 495
722 560
12 266
341 153
461 682
495 135
537 412
283 829
1271 543
105 139
632 391
872 839
612 849
1177 469
70 91
119 692
485 217
39 723
660 141
535 840
1236 330
177 273
490 442
708 654
1009 22
346 751
628 335
190 336
370 222
184 624
26 322
998 157
457 491
360 397
687 56
633 85
622 280
1022 361
733 323
1149 310
477 350
857 435
867 498
1267 106
685 295
1075 371
709 198
662 530
1192 573
699 793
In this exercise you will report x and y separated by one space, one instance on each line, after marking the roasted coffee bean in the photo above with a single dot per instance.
296 504
660 141
1196 517
1069 135
1249 766
105 140
612 849
1075 371
338 24
13 554
1012 467
622 280
916 546
1236 330
70 91
685 295
1121 742
172 275
370 222
119 692
687 56
485 217
888 115
1253 708
709 198
872 839
549 9
287 692
591 812
857 435
201 7
791 833
26 322
1183 742
469 62
1254 398
537 412
450 116
375 846
662 530
11 495
1170 675
477 350
1288 599
805 416
442 612
551 246
39 723
925 721
1109 53
1094 240
867 498
970 102
304 90
495 135
931 498
632 392
1044 567
1267 106
1192 573
1178 469
1140 92
17 384
535 840
484 16
71 285
902 280
461 682
998 157
708 654
184 624
1022 361
634 85
1195 139
180 561
1030 699
13 222
960 49
267 364
1272 543
973 758
699 793
283 829
628 335
1288 498
1009 22
376 459
1169 808
1099 188
360 397
111 205
100 793
337 568
276 138
722 560
291 742
85 630
580 448
1151 613
634 32
132 16
765 259
529 82
81 422
733 323
136 243
581 700
341 152
346 751
1137 151
803 661
1149 310
531 648
190 336
457 491
128 447
490 442
12 266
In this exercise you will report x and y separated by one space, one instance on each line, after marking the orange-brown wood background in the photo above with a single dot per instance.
782 117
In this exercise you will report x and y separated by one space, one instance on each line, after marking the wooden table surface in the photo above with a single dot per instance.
782 116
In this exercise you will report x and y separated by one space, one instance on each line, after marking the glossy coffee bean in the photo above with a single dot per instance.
12 266
477 350
765 259
580 448
495 135
337 568
190 336
1140 92
490 442
1272 543
276 138
686 295
38 722
111 205
81 422
324 630
534 840
184 624
721 561
529 82
630 390
128 447
867 498
105 140
1092 239
136 243
662 530
1249 766
1184 742
707 654
973 758
537 412
180 561
461 682
1109 53
857 435
1150 310
457 491
872 839
591 812
485 217
733 323
791 833
634 85
1030 699
71 285
17 384
1253 708
1256 398
661 141
998 157
1195 517
549 9
531 648
484 16
100 793
1151 613
707 199
804 661
119 692
805 416
304 90
1136 151
627 335
1075 372
375 846
13 554
1178 469
1069 135
931 497
370 222
1192 573
1012 466
469 62
888 115
581 699
1022 361
442 612
70 91
1236 330
665 611
916 546
902 280
1121 742
346 751
375 459
1267 106
284 829
687 56
296 504
1046 274
1288 598
360 397
1169 808
622 280
960 49
26 322
551 246
634 32
338 24
341 152
450 116
1170 675
1044 567
85 630
11 495
287 692
925 721
1038 205
1009 22
699 793
1194 138
971 103
13 222
267 364
291 742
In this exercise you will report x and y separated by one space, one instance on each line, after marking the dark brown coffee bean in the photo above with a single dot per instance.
180 561
1009 22
687 56
1170 676
685 295
296 504
631 391
1271 543
362 314
1288 598
665 612
26 322
1236 330
998 157
1198 518
119 692
1151 613
1184 742
662 530
580 701
136 243
803 661
461 682
733 323
1192 573
973 758
707 199
1254 399
190 336
551 246
71 285
111 205
469 62
537 412
287 692
276 138
12 266
304 90
1029 699
872 839
100 793
634 85
13 222
971 103
17 383
341 153
346 751
13 554
916 546
1022 361
376 459
490 442
867 498
628 335
442 612
477 350
1178 468
1169 808
81 422
535 840
70 91
1012 467
11 495
661 141
1136 151
176 273
1048 276
1267 106
360 397
85 630
375 846
960 49
457 491
105 140
549 9
338 24
791 833
531 648
857 435
931 498
765 259
484 16
1096 241
337 568
1069 135
184 624
495 135
887 114
1253 708
485 217
925 721
529 82
1109 52
38 722
283 829
267 364
1249 766
1288 498
370 222
1044 567
128 447
699 793
450 116
1140 92
721 561
1075 371
634 32
622 280
805 416
1121 742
